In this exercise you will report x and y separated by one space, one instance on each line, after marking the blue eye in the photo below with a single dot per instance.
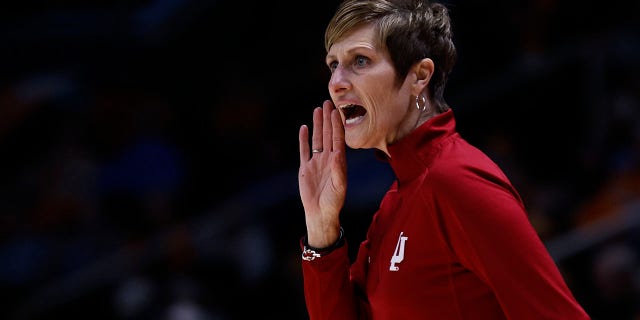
332 65
361 61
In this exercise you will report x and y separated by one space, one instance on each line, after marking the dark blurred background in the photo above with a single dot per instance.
148 149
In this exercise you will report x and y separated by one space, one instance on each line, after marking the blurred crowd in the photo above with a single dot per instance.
148 168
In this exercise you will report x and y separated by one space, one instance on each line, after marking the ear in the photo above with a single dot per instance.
423 71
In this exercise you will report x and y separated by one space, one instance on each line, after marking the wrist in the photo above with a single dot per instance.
322 233
310 253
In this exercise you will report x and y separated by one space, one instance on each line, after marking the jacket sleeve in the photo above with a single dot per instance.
328 288
490 233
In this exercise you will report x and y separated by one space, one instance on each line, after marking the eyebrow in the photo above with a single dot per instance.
350 51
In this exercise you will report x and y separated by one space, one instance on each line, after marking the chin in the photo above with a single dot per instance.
354 144
350 143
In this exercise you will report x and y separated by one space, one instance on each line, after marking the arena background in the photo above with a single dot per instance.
149 149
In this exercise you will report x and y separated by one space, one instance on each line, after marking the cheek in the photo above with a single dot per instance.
381 97
388 104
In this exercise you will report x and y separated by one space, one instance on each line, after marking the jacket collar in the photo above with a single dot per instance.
412 154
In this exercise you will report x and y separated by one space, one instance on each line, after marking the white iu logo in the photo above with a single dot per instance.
398 255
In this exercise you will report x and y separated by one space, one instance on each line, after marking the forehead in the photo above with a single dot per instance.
364 36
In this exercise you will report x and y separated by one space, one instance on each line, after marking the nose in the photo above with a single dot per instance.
339 81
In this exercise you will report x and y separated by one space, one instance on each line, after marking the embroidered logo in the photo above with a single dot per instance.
398 255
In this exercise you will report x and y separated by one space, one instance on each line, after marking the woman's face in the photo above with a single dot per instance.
375 111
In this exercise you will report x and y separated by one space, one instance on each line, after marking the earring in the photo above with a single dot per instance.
424 103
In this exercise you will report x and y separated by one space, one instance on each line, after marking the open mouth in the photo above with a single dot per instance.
353 112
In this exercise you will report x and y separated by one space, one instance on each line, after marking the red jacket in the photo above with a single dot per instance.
451 240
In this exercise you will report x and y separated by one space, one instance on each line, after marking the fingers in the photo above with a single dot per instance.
338 131
327 133
316 138
327 130
303 142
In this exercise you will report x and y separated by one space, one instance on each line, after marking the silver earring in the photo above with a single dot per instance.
424 103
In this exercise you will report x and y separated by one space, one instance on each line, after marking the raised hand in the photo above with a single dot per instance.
322 177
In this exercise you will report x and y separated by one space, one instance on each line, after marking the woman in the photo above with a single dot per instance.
451 238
